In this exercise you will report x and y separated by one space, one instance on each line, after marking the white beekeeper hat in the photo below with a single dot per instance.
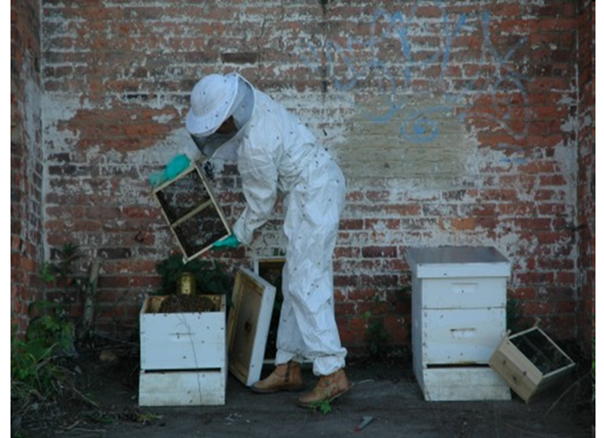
212 102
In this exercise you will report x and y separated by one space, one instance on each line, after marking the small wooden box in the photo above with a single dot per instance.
530 362
192 212
183 355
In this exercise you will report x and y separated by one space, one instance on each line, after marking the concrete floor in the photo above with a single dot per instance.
386 392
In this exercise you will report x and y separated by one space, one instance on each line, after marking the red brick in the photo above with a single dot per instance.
565 278
553 237
402 209
536 277
379 281
377 196
351 224
346 252
382 224
379 252
345 280
463 224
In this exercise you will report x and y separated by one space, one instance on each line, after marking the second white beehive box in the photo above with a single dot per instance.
458 319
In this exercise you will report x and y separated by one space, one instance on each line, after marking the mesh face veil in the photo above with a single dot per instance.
209 142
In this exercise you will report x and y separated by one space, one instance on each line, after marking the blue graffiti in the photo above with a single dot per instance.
423 128
346 65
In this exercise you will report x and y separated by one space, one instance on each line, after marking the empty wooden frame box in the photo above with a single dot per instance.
458 318
530 362
248 325
183 355
192 212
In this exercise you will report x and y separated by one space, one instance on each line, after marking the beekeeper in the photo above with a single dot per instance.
274 152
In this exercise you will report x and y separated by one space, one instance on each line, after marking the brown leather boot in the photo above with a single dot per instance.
328 388
285 377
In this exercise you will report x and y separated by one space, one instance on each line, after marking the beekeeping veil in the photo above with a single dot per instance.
214 99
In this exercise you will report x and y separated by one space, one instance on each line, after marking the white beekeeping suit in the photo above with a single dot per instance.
275 152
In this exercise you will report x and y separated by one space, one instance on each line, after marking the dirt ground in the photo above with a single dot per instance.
384 390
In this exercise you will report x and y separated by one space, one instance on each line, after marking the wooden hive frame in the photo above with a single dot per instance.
193 214
248 325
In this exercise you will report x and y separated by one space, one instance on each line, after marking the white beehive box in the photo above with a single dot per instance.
458 318
530 362
183 355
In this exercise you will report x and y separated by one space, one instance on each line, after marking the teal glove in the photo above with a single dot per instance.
229 242
178 165
174 168
158 178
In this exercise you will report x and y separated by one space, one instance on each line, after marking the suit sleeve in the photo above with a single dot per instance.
258 166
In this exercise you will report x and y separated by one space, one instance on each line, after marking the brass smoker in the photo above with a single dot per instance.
186 284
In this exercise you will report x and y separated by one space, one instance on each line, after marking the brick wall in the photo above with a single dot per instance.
586 178
456 123
26 160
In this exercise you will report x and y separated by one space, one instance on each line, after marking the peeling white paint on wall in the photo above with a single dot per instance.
30 139
58 108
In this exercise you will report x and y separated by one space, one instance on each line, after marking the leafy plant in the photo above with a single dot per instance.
55 331
376 334
38 374
62 273
323 406
63 268
35 361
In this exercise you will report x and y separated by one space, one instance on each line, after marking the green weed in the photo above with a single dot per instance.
322 406
376 334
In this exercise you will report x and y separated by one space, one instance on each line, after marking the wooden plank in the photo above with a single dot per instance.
192 213
463 384
173 388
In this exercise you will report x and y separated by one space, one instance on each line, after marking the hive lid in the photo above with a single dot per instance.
457 261
248 325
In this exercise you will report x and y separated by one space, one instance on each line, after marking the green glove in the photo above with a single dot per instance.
158 178
178 165
229 242
174 168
